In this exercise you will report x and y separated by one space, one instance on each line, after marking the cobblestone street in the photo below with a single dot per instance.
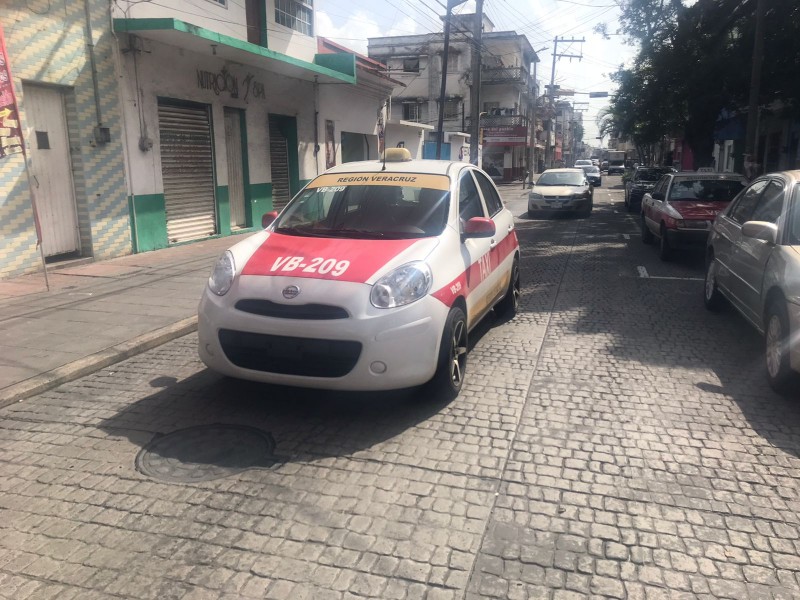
613 440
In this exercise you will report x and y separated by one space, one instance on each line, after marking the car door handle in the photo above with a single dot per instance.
492 243
510 228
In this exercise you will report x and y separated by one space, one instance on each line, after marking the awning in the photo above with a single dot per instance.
337 68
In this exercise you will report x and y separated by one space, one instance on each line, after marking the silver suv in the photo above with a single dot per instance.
753 260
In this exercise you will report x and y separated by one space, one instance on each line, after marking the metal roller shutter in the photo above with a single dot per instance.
279 164
187 165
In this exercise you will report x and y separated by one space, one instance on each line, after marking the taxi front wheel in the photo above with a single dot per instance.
452 366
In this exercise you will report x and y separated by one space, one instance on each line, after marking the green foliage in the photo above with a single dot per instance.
693 62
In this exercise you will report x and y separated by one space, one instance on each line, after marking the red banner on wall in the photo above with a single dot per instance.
10 132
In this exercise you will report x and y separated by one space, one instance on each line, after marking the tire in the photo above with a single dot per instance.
587 212
712 297
507 307
780 376
664 250
647 235
629 205
449 377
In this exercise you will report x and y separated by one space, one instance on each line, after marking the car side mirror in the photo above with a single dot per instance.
657 196
761 230
268 218
478 227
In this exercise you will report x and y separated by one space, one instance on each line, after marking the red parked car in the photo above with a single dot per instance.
682 206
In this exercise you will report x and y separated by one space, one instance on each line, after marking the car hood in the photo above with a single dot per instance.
558 190
689 209
341 259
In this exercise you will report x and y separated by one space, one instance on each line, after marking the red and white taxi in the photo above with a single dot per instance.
682 206
369 279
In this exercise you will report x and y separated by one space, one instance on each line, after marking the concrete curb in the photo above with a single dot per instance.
94 362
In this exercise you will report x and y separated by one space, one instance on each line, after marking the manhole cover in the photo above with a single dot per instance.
205 453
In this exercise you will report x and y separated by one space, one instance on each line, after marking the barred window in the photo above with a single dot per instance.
452 109
295 14
411 112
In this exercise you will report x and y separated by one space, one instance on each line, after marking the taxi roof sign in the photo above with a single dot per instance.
396 155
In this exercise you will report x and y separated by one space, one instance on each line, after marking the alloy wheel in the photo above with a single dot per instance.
711 282
458 353
774 343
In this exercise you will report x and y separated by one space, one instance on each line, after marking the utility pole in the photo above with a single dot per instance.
475 88
440 126
552 90
532 153
750 154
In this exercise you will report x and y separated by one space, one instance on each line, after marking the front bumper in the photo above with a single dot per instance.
371 349
687 238
559 206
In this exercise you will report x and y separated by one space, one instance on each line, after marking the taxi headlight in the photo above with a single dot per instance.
402 286
535 196
222 276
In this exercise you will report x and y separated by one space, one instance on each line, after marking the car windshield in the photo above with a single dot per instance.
706 190
581 163
650 174
590 169
573 178
368 211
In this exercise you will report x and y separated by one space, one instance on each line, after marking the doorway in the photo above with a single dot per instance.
51 169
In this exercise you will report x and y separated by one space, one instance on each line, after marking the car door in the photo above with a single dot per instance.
727 236
475 252
653 203
504 242
751 255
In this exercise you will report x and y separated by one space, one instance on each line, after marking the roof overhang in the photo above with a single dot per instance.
175 32
414 124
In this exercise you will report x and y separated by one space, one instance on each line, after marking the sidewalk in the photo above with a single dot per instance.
97 314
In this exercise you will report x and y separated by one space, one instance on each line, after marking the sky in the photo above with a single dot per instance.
351 22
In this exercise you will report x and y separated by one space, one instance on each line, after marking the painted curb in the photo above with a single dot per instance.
94 362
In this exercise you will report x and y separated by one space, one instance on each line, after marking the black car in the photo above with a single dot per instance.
642 181
592 175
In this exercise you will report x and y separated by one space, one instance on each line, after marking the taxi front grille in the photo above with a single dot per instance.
309 312
289 355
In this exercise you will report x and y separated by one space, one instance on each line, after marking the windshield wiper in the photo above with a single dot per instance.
304 230
362 233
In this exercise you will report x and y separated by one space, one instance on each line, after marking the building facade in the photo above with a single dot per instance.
506 96
62 59
174 124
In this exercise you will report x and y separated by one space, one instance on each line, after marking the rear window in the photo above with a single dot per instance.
369 206
560 178
708 190
651 174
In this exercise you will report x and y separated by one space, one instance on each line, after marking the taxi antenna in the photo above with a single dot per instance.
384 160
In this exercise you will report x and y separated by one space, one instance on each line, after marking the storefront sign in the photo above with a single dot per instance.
10 134
228 83
512 135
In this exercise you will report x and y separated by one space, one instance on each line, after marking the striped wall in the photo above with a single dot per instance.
47 43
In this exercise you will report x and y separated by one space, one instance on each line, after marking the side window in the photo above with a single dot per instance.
469 201
490 195
747 202
770 205
661 186
794 228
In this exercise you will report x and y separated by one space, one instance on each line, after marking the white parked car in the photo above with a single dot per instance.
369 279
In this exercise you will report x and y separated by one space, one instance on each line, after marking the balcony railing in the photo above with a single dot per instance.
507 76
501 121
